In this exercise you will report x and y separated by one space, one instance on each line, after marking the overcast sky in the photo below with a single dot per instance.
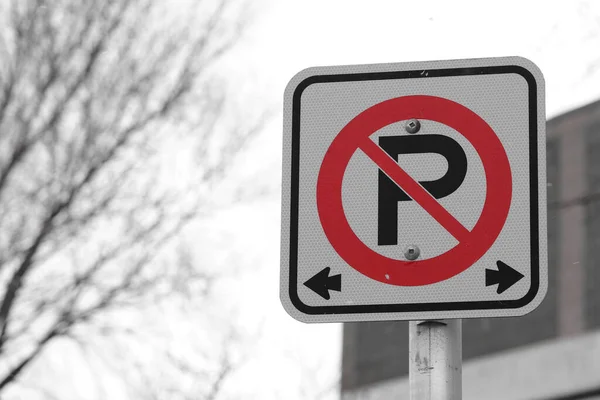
298 361
284 359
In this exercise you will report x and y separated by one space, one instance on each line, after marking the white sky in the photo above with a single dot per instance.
291 360
561 37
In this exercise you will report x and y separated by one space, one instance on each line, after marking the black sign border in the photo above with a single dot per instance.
416 307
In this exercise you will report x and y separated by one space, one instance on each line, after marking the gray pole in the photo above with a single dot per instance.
435 360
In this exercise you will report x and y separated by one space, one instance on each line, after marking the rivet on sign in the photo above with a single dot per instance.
412 252
413 126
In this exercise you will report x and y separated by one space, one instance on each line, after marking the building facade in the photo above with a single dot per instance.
551 353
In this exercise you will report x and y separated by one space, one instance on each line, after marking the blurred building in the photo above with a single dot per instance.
551 353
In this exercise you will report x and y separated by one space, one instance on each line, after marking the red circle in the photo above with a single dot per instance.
454 261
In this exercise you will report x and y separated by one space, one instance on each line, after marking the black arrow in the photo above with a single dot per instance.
322 283
505 277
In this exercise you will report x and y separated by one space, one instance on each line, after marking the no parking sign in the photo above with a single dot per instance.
414 191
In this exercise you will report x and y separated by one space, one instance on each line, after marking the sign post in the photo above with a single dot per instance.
435 360
415 191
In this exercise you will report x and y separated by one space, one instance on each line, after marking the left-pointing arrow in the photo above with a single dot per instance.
322 283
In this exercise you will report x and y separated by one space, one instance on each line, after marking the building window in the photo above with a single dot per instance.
592 221
553 193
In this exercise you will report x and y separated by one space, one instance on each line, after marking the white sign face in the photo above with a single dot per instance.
414 191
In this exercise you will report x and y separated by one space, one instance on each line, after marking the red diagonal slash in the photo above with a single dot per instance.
412 188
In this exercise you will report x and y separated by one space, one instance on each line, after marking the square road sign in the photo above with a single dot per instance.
414 191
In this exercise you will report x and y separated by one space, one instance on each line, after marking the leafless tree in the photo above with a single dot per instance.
103 106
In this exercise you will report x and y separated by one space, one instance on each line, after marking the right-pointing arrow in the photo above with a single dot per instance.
505 277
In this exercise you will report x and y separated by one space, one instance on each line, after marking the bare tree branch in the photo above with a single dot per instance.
91 95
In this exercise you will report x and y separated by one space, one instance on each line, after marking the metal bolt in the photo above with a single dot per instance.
412 252
412 126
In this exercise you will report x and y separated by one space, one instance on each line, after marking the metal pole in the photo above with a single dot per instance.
435 360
